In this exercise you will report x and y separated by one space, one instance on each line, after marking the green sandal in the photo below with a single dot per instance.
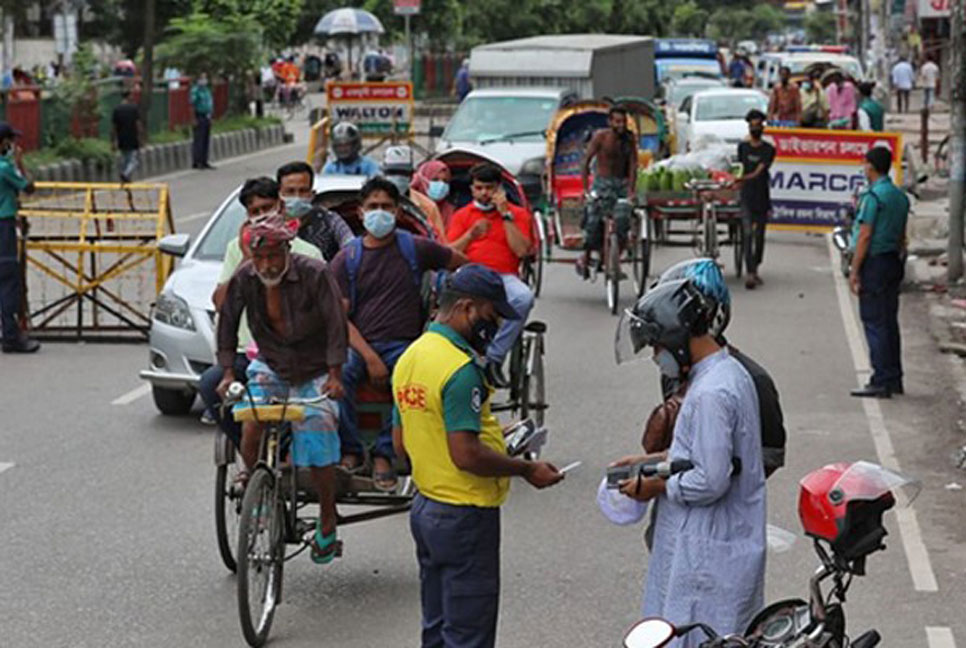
324 548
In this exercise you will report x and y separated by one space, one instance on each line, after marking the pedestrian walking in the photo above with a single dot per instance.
755 156
203 105
785 104
462 85
929 78
127 133
708 555
903 79
13 180
444 423
879 240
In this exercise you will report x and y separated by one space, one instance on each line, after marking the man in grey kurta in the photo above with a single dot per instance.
708 560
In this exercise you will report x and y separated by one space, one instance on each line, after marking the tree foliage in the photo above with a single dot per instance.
689 20
820 27
202 43
732 25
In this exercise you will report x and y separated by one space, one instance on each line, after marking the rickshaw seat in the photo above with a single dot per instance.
369 393
270 414
568 187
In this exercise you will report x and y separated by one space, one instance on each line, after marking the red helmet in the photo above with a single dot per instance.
843 503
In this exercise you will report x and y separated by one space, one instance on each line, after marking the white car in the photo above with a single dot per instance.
718 113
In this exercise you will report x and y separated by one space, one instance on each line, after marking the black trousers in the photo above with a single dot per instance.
201 140
880 276
11 283
458 548
753 237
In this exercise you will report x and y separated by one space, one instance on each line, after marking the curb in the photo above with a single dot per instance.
161 159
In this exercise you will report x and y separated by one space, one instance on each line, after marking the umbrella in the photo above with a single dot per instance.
348 22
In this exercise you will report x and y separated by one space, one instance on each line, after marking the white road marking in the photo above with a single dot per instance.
5 466
193 217
920 566
940 637
133 395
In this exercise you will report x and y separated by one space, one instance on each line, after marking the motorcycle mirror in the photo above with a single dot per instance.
649 633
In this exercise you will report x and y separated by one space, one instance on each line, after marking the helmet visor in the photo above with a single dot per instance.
633 337
865 481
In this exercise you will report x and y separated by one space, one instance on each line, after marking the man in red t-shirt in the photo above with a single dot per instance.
494 233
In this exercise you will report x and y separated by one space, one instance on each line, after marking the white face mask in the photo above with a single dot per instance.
667 363
484 208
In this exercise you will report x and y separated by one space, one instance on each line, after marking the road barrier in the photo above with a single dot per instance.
92 264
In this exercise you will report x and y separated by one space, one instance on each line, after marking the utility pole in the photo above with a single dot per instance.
957 141
147 70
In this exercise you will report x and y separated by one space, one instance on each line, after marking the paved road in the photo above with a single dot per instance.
108 537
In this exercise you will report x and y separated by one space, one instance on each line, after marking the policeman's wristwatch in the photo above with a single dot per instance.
507 216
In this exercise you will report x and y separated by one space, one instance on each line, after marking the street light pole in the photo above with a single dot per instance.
147 68
957 149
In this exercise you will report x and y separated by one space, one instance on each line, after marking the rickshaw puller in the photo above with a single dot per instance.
615 151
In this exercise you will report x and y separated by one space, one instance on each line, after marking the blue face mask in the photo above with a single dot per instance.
668 364
297 207
379 222
438 190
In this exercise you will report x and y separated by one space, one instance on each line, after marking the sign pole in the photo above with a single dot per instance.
409 46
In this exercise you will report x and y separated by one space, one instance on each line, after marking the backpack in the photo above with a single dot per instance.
353 261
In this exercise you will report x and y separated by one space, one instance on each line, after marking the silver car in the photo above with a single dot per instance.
182 339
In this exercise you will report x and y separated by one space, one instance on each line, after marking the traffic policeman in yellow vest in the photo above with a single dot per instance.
443 423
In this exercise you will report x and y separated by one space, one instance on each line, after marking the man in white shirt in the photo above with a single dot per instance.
929 76
903 78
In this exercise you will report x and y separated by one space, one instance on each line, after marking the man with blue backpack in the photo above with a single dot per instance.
380 276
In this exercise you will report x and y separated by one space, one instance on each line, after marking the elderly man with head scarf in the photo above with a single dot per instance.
296 318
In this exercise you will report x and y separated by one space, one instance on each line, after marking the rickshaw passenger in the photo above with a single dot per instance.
432 180
615 151
321 227
380 278
495 233
397 166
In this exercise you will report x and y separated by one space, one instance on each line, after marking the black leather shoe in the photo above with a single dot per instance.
896 389
23 345
872 391
494 375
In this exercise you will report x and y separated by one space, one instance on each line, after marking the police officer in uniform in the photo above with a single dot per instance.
443 423
879 237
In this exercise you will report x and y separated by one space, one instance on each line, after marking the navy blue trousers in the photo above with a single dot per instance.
207 388
880 276
458 548
10 281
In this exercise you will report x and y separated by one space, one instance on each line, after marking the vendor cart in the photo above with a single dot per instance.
705 216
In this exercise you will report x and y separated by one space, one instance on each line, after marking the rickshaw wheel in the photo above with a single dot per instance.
641 256
261 555
533 396
227 513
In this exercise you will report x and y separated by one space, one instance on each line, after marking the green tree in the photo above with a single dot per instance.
689 20
729 25
820 27
765 19
201 43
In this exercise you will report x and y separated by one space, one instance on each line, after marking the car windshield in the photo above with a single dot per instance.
224 229
720 107
675 71
484 118
678 92
851 67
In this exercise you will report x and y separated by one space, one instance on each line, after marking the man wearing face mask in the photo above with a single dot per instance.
755 156
496 234
380 278
321 227
444 425
203 105
13 180
708 557
297 320
260 198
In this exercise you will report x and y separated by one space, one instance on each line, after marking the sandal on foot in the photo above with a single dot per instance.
352 463
324 548
385 481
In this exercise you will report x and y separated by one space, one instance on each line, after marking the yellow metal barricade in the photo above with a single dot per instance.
318 144
91 260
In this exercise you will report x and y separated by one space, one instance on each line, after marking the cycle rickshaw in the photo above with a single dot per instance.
567 139
527 396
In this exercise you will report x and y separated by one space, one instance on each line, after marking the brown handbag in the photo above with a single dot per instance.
659 429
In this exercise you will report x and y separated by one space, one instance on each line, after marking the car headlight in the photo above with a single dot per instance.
534 166
173 311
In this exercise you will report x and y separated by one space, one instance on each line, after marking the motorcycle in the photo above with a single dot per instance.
841 507
842 234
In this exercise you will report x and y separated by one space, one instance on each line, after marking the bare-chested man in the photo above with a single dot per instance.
615 152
